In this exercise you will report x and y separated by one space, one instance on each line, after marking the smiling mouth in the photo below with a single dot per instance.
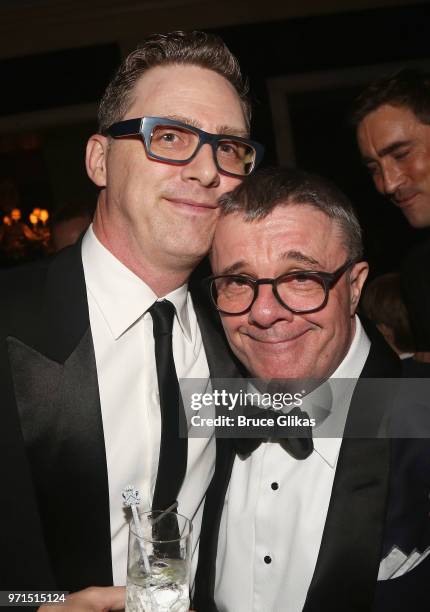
192 204
278 341
405 202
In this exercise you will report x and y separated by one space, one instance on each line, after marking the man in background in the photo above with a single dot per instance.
392 120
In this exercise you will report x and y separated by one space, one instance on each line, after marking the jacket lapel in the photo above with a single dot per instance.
206 570
351 545
56 391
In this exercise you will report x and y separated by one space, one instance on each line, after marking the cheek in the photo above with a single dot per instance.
418 168
231 327
228 183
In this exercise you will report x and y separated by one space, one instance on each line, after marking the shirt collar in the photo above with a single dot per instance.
340 394
121 296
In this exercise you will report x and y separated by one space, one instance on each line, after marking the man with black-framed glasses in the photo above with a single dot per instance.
293 523
97 337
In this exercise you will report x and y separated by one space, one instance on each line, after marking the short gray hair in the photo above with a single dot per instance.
175 48
263 191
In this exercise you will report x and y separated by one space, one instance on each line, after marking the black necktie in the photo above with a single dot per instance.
172 463
299 447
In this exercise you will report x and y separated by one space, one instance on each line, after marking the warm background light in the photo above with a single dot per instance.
44 215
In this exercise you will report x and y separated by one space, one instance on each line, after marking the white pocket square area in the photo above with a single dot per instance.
397 563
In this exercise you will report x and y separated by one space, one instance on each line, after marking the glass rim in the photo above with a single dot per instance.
146 539
326 280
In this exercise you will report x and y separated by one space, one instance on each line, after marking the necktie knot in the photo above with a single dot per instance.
162 314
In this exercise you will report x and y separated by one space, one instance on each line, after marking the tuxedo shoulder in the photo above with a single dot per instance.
28 280
22 290
37 297
22 279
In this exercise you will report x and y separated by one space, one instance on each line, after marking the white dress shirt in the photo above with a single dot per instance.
275 510
121 328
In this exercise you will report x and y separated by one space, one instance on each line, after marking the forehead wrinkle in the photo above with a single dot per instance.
299 257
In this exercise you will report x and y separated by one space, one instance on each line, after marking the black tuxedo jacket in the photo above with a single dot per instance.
380 495
54 510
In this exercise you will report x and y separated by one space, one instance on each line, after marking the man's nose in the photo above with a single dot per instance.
266 310
202 168
390 179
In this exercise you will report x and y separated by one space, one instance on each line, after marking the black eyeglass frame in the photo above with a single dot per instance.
328 281
143 127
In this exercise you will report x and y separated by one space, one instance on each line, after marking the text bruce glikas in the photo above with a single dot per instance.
274 402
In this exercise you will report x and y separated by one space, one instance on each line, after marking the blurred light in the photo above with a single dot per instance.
15 214
44 215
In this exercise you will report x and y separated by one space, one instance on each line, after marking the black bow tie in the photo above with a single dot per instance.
299 446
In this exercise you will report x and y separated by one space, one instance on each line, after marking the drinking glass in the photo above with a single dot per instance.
159 560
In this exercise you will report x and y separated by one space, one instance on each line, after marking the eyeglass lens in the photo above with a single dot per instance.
300 292
179 144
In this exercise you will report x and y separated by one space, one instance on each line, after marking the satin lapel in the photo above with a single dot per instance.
347 567
222 364
68 465
205 577
21 529
54 371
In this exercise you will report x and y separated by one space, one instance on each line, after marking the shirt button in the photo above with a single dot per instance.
275 486
267 559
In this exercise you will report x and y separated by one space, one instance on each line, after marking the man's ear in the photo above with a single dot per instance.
95 159
357 278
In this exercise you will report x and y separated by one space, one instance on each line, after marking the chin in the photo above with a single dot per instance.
418 223
419 219
279 371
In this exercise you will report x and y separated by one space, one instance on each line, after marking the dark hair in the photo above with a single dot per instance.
382 303
263 191
407 88
194 48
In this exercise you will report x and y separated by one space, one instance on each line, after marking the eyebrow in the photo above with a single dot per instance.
222 129
238 265
296 256
231 131
300 257
391 148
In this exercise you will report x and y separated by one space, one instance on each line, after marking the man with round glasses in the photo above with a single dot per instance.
97 337
306 521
